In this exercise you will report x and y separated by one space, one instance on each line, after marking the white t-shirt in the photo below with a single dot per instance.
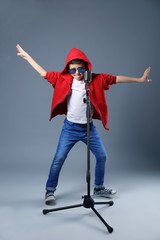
76 107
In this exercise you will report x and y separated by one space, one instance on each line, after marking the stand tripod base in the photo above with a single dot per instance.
88 202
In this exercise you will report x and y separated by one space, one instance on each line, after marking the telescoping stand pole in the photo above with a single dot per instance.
88 201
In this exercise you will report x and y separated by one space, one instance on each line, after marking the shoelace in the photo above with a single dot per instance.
50 194
105 190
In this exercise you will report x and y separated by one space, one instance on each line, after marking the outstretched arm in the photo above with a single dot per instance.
30 60
144 78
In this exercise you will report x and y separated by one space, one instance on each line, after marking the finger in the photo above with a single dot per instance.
19 48
20 54
148 70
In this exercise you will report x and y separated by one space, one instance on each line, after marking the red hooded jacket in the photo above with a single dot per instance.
62 82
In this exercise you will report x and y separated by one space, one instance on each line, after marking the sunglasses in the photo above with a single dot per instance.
73 70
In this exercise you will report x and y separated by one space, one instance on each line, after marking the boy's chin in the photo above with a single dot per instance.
79 78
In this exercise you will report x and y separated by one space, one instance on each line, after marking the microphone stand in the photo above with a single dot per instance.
88 201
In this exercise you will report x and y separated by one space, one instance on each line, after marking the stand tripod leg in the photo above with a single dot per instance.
109 202
45 211
110 229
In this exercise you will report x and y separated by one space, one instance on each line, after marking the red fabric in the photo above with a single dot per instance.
62 83
76 54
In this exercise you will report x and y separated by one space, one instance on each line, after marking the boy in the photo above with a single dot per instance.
69 99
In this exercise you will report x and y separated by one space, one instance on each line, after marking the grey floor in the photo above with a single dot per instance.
134 215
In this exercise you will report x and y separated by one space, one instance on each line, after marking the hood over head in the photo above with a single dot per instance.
76 54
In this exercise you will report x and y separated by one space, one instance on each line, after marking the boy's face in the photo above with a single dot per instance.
77 75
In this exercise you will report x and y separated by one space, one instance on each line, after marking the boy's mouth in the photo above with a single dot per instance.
78 77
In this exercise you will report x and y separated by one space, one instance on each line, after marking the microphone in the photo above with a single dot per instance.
87 76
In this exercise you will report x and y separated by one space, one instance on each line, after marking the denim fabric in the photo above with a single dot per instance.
71 134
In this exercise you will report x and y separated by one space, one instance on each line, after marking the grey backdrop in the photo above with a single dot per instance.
119 37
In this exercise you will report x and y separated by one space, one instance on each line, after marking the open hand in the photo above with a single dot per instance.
145 78
21 52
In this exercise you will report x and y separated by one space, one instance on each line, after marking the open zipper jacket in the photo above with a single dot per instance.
62 82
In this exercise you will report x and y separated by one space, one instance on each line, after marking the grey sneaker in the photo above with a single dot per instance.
104 192
49 197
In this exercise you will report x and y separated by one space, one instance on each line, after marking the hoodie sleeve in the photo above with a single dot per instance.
107 80
52 77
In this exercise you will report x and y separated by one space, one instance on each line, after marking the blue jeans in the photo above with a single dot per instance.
71 134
